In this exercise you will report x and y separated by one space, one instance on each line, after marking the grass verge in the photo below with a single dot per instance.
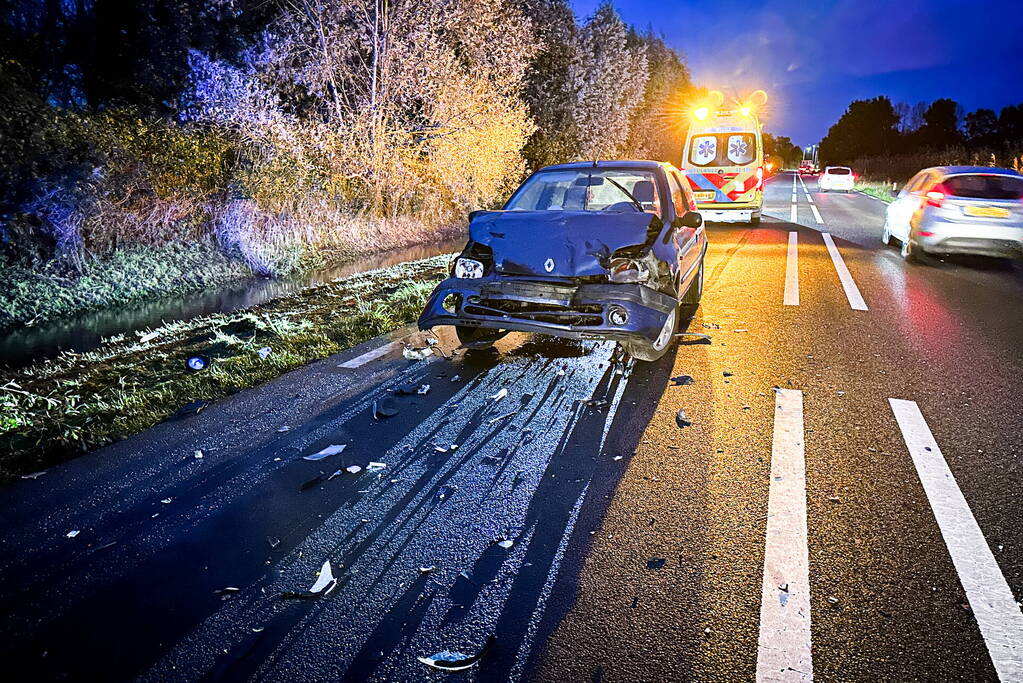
876 189
53 410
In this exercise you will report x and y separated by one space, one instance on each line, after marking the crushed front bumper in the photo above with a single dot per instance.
562 309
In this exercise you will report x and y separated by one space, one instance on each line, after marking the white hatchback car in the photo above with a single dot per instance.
958 210
836 178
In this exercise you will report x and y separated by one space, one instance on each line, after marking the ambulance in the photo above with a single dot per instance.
724 161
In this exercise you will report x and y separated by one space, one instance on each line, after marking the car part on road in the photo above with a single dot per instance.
333 449
681 420
416 354
456 661
384 407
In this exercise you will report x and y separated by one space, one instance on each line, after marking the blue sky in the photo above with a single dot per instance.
814 57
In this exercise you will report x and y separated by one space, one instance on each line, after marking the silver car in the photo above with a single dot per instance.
958 210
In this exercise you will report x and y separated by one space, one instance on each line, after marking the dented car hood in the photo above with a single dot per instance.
558 243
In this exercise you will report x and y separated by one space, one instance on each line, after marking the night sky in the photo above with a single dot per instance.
814 57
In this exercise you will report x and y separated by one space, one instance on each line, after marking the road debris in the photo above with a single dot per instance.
227 593
324 584
376 466
682 380
456 661
264 353
445 492
73 533
197 455
502 417
412 390
499 395
353 469
384 408
506 543
681 420
273 542
727 373
167 501
283 428
832 600
416 354
34 475
698 338
594 403
333 449
655 563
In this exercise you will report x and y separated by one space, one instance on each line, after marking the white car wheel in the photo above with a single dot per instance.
886 235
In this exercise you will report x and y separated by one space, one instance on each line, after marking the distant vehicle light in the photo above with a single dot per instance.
770 166
745 111
701 113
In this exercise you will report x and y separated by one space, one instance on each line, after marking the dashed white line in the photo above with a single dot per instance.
784 651
792 271
852 292
793 213
373 354
998 615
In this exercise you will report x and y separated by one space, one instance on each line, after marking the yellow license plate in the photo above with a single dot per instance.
704 196
986 211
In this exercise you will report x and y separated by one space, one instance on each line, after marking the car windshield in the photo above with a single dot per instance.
587 190
722 149
839 170
985 186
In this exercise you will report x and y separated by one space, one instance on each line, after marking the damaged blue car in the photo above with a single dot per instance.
591 250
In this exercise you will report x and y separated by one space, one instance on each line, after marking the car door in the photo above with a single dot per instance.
689 241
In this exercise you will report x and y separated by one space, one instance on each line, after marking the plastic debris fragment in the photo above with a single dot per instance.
197 455
384 408
655 563
502 417
264 353
34 475
682 380
506 543
333 449
456 661
416 354
283 428
353 469
681 420
325 579
427 570
500 394
376 466
166 501
73 533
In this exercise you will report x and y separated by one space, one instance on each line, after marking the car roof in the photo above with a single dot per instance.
959 170
638 164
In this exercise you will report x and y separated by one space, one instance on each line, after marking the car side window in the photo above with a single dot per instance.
678 197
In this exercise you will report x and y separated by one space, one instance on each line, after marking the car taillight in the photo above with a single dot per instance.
936 196
760 177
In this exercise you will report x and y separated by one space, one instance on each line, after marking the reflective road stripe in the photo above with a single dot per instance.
792 272
852 293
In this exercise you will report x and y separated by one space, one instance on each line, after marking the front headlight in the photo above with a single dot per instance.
469 269
627 270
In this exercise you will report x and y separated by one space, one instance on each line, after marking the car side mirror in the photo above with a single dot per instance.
690 219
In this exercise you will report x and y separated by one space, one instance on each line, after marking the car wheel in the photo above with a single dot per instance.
475 338
909 250
642 349
754 219
690 301
886 235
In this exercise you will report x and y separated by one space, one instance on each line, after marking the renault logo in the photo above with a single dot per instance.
548 265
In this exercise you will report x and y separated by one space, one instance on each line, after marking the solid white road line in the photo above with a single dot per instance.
368 356
792 272
784 649
998 615
793 213
852 293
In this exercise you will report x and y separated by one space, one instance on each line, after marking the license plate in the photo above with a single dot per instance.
986 211
704 196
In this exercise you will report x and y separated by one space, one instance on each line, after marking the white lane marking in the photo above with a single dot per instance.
852 293
793 213
368 356
792 271
998 615
784 649
816 214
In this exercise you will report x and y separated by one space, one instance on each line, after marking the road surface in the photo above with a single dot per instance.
845 504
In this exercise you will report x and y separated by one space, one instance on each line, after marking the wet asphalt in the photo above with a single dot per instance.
636 547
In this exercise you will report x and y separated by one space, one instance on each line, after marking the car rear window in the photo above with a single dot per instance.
840 170
985 186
